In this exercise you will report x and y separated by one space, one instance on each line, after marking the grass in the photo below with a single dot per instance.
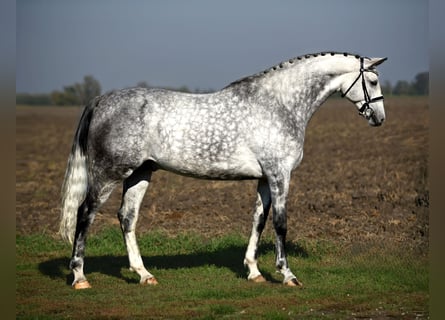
205 279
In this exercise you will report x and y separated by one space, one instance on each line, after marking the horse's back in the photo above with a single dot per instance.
196 135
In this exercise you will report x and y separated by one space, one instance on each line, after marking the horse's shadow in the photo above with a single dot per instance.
230 257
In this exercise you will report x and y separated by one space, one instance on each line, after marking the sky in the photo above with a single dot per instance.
206 44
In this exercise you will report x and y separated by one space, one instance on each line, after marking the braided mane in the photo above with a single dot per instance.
285 64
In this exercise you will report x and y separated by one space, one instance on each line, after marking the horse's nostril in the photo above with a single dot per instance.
379 123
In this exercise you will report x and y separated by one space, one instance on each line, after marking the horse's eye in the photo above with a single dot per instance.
373 83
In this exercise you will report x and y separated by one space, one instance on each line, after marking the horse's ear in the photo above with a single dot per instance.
374 62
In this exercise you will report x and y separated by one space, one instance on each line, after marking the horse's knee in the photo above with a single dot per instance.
280 223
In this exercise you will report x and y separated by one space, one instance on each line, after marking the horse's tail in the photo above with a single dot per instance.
75 183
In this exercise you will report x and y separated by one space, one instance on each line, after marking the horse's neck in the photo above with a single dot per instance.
302 89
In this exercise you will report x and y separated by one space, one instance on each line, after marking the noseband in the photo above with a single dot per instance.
365 109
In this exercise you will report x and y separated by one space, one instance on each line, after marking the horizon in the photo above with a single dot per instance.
204 45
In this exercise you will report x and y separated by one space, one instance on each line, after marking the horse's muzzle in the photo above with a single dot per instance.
375 121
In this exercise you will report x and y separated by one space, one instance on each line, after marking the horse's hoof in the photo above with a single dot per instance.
258 279
82 285
294 283
150 281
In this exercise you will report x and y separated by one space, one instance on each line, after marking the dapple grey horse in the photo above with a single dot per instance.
252 129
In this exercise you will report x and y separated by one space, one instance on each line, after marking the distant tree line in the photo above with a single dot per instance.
419 86
39 99
81 93
76 94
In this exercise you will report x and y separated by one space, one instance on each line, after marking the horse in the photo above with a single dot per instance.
253 128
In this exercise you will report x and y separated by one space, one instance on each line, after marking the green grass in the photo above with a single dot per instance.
205 279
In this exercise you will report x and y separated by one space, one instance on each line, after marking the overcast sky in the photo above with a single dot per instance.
206 44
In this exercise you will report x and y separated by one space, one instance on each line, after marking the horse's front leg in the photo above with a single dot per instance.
259 221
279 188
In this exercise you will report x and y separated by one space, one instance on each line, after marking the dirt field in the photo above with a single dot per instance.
356 183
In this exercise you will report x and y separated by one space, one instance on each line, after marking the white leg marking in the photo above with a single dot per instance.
288 275
259 219
134 257
250 260
80 281
79 276
128 215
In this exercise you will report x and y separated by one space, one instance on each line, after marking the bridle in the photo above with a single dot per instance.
365 109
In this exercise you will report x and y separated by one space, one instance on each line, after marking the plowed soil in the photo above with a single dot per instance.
355 183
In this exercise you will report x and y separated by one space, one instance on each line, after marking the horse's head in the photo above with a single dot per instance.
363 89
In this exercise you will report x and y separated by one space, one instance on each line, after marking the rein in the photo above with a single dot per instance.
365 109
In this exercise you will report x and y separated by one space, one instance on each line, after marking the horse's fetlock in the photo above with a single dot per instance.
75 263
280 263
248 261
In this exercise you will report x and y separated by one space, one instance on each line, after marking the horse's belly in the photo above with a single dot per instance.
215 172
234 168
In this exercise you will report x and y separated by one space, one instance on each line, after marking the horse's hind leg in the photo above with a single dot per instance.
95 197
133 193
259 221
